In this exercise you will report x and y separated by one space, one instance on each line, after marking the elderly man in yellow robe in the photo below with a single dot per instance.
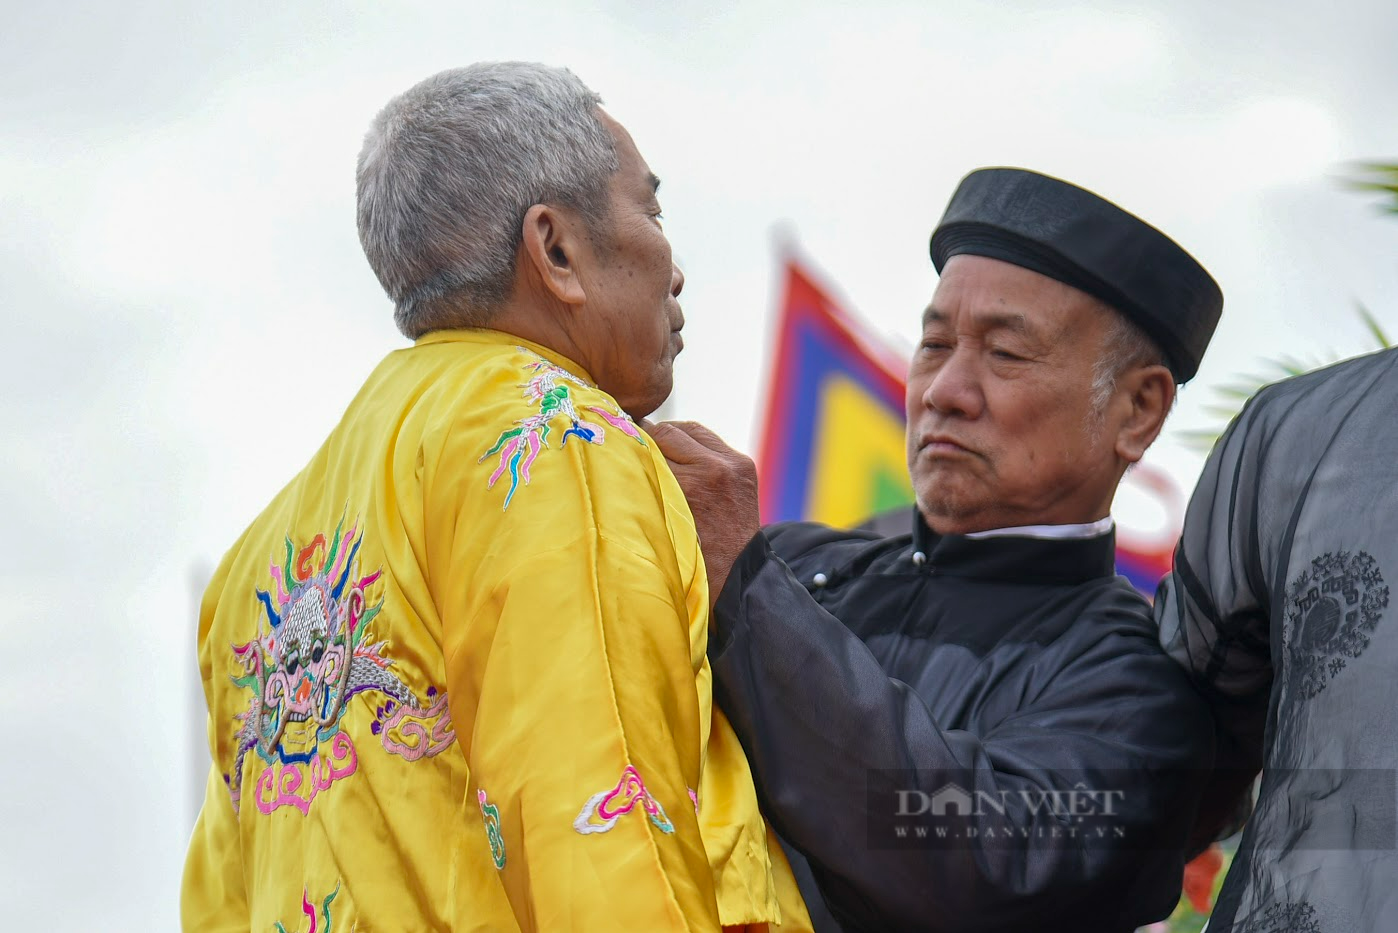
455 671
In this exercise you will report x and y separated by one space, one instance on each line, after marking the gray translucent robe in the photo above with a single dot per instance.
1279 607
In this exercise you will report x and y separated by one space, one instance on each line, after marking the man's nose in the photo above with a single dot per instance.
676 280
955 388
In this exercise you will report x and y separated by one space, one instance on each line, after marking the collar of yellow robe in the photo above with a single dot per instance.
488 337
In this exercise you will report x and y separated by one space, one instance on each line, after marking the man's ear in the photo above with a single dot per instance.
552 241
1151 393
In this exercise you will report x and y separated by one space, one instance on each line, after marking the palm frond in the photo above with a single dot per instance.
1232 396
1374 177
1372 323
1377 177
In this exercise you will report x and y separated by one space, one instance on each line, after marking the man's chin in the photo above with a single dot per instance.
644 408
948 514
652 400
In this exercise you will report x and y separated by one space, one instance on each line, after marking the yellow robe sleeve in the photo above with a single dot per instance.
213 893
214 898
570 658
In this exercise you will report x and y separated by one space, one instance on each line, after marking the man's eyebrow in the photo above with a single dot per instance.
996 320
654 180
1007 320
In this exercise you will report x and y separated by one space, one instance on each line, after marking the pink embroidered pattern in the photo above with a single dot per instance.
548 387
619 420
603 809
281 785
412 732
312 654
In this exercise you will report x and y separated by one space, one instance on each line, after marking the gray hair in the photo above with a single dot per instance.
1124 346
450 167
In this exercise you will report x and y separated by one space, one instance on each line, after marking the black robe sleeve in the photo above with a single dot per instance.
1213 616
833 739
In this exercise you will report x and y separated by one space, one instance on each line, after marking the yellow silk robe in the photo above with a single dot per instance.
456 677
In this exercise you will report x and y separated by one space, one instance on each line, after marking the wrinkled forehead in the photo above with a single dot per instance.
980 293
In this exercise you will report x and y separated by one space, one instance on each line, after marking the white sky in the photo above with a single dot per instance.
186 309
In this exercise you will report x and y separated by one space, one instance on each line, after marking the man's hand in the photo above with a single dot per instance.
721 486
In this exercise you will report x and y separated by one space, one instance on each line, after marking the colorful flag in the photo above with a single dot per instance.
833 449
1144 557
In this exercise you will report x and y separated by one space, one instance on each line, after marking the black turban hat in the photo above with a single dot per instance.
1072 235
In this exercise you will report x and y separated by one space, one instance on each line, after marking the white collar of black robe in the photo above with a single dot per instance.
1023 559
1070 234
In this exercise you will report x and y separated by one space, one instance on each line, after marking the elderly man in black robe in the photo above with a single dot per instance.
972 726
